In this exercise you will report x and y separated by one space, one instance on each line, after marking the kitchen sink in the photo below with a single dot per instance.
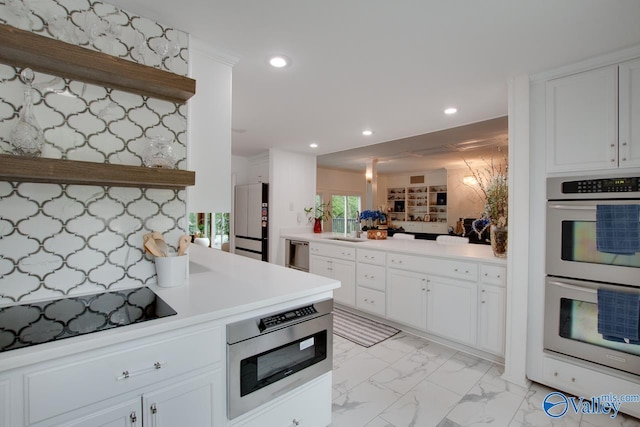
347 239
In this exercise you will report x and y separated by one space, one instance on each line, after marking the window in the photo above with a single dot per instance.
345 210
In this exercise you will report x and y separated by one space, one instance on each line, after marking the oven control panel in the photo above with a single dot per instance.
608 185
287 316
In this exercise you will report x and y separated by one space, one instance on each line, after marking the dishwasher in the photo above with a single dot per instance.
297 255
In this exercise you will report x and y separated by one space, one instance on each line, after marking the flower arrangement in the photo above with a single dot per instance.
370 216
492 182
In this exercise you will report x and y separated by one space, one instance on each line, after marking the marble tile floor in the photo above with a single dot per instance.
407 381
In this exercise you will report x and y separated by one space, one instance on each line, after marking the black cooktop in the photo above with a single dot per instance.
37 323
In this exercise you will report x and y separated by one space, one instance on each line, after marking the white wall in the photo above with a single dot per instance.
209 148
463 201
292 187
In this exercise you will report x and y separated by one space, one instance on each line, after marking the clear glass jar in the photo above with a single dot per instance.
159 153
27 138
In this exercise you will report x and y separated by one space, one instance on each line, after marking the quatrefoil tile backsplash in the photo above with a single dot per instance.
70 239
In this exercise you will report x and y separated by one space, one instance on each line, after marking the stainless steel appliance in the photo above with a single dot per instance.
591 290
251 221
297 254
274 354
571 324
571 228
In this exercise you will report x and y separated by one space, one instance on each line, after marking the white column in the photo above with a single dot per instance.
515 369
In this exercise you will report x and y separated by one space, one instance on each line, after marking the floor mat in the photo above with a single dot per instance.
359 330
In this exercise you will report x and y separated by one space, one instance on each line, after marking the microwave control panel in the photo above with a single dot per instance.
608 185
287 316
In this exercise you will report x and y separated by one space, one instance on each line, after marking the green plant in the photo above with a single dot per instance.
321 211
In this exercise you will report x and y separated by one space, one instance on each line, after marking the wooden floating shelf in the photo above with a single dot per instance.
56 171
26 49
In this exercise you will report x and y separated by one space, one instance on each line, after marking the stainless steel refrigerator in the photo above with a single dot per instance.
251 221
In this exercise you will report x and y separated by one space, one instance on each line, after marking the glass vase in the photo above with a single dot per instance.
499 240
317 225
159 153
27 138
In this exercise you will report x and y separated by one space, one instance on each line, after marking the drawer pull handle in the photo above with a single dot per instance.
295 422
133 417
126 374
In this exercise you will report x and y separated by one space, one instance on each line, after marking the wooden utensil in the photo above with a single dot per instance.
183 244
150 245
160 242
145 239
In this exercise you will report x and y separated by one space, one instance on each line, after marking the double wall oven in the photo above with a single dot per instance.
592 289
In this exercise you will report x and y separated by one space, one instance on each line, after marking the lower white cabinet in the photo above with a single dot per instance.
491 319
5 403
452 309
304 407
124 414
186 403
169 379
342 270
407 297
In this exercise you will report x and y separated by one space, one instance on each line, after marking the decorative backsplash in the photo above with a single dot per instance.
70 239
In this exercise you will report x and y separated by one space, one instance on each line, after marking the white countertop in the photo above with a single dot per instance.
220 285
468 251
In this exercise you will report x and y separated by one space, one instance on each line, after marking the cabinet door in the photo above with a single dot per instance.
345 272
126 414
321 266
407 297
452 309
240 210
187 403
629 119
582 121
5 403
491 321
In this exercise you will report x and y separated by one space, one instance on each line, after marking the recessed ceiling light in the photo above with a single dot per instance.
313 145
451 110
279 61
367 132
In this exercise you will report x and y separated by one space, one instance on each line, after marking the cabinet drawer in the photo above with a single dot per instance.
457 269
493 274
410 262
371 276
77 381
333 251
371 257
371 301
308 406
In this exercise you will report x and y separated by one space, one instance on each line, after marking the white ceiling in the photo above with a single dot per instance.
391 66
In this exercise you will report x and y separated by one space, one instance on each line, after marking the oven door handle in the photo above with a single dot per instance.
573 287
574 207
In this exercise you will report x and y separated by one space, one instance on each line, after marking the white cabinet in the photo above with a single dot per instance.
593 119
99 387
124 414
452 309
491 314
407 297
335 262
185 403
371 281
5 402
305 407
629 111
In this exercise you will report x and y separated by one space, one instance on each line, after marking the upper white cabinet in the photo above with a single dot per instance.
592 122
629 120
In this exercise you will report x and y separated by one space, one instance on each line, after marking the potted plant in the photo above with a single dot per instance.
319 214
